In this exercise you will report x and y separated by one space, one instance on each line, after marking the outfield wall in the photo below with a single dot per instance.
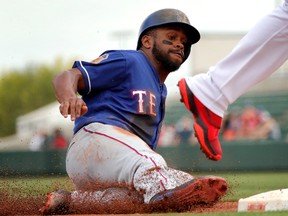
32 163
237 156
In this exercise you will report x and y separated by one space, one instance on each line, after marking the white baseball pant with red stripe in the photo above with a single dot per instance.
101 153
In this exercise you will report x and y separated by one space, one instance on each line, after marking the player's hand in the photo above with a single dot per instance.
75 107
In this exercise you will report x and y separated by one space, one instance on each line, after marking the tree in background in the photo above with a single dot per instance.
22 91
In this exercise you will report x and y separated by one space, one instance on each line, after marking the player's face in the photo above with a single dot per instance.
168 47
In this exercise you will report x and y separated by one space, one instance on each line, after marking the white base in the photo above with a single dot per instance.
276 200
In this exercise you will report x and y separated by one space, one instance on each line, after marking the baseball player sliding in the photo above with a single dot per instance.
260 53
118 120
119 114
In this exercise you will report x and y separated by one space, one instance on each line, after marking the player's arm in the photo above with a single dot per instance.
66 85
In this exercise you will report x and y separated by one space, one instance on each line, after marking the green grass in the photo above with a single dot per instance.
241 185
33 186
247 184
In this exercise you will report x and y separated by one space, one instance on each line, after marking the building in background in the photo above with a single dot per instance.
44 120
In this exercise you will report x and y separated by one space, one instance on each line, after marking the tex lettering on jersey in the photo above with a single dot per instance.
143 98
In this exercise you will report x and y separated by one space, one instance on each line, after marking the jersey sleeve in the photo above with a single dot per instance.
107 71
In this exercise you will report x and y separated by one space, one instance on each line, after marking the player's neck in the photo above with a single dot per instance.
162 73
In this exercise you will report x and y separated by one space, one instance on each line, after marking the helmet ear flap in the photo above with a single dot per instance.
166 17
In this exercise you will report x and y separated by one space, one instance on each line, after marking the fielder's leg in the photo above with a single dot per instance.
260 53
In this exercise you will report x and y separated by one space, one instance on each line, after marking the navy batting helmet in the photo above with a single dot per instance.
166 17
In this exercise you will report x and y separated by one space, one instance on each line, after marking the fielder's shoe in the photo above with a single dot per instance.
203 190
57 203
206 123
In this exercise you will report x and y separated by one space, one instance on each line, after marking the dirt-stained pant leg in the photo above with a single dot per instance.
154 180
101 154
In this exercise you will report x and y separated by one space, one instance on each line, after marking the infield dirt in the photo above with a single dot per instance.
11 205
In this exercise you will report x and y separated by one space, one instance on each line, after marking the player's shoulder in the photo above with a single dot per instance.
129 55
123 52
122 55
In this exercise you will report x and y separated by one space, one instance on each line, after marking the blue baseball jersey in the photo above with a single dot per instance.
123 89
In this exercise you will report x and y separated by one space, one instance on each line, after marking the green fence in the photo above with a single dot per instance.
237 156
32 163
241 156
